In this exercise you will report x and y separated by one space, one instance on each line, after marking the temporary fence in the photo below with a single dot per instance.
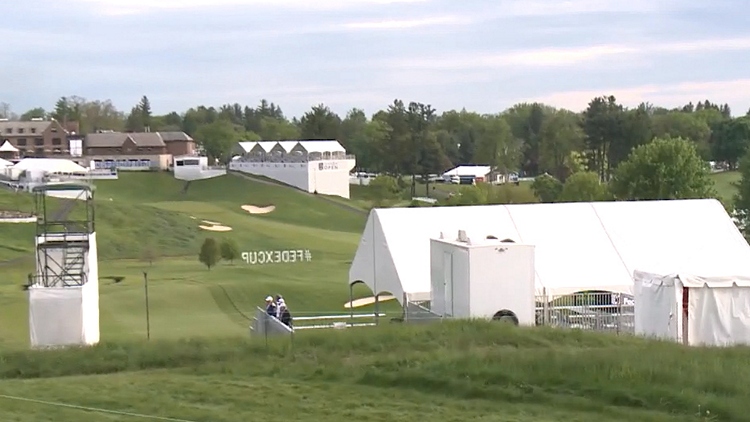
598 311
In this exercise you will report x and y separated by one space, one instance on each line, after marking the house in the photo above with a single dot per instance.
126 151
468 174
35 138
178 143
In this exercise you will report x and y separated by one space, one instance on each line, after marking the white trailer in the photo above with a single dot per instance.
482 279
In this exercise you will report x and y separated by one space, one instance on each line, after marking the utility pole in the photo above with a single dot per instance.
148 319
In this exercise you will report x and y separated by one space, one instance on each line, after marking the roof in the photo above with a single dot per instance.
579 246
7 147
116 139
475 171
50 165
175 136
692 281
289 145
39 126
75 186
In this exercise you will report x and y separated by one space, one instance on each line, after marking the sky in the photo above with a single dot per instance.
482 55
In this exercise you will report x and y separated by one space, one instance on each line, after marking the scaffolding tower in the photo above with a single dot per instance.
64 229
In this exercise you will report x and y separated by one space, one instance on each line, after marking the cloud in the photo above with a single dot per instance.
539 8
670 95
123 7
566 56
406 23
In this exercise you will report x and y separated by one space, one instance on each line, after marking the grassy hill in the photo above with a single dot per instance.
444 372
143 212
480 371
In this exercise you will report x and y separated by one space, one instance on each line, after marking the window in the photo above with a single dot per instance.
191 162
21 142
38 141
33 130
56 141
53 130
179 163
39 151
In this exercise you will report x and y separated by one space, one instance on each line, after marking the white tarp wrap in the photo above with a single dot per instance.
579 246
66 316
718 308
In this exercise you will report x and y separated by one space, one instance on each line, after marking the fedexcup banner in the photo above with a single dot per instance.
277 257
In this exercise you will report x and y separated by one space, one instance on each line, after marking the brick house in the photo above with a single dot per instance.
135 151
36 138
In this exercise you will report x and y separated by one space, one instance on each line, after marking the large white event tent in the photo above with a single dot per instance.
49 165
579 246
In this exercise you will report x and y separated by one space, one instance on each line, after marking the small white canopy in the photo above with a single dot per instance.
7 147
49 165
466 171
5 163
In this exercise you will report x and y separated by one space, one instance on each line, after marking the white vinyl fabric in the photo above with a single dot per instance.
49 165
579 246
5 163
718 308
474 171
67 316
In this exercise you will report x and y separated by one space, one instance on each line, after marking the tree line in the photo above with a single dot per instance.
412 138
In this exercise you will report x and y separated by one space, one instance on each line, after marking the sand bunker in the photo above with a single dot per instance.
216 228
252 209
358 303
212 223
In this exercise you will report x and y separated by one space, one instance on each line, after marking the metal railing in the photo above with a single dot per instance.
597 311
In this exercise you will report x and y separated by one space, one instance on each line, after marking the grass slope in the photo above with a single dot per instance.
148 211
447 372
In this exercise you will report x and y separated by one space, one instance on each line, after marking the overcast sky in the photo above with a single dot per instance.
484 55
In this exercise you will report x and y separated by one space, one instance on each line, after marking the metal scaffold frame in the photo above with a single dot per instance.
62 234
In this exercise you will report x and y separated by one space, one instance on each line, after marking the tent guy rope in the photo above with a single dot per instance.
94 409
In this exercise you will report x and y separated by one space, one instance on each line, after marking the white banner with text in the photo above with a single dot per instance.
277 257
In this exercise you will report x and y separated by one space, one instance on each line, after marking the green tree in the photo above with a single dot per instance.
229 250
385 187
496 146
663 169
547 188
583 187
320 123
34 113
679 124
210 254
742 198
218 138
730 140
561 135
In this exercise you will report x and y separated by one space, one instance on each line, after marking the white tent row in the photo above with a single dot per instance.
308 147
49 165
579 246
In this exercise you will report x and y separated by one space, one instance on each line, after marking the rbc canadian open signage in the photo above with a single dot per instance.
328 166
277 257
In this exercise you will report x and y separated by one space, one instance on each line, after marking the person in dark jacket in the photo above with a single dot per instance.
271 308
284 315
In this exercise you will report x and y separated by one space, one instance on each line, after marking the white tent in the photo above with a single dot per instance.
709 311
5 163
7 147
579 246
468 171
49 165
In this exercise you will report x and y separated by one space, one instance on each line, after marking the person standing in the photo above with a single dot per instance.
271 307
